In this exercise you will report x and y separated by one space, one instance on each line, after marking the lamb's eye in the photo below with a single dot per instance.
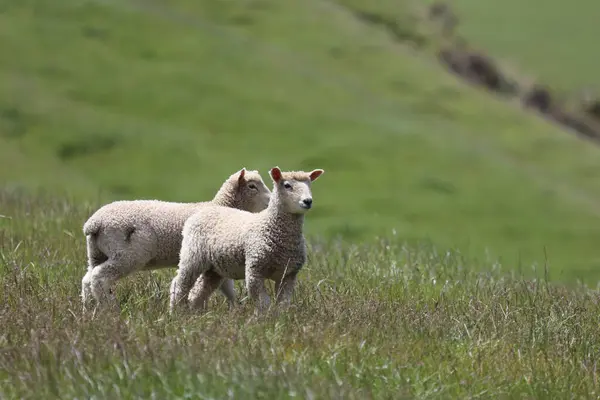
287 185
252 186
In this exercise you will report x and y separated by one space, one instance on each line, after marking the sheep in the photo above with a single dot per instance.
223 243
141 235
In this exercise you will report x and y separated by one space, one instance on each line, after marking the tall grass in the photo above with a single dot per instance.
369 320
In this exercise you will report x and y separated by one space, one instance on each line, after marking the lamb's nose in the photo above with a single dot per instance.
307 202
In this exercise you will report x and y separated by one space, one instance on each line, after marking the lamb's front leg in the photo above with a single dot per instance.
255 284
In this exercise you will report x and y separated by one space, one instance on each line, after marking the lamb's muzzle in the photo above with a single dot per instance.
306 203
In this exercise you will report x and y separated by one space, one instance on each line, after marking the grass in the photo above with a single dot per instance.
103 100
544 39
122 99
381 319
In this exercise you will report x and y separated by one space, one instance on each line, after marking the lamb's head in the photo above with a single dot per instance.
253 194
245 190
293 189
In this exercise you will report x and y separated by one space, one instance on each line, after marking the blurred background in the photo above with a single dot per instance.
468 124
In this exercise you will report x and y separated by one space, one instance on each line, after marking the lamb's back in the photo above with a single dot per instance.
158 222
154 213
220 222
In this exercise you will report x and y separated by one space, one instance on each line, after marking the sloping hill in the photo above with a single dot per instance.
543 38
137 99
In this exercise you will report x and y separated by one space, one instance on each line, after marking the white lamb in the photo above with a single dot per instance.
141 235
223 243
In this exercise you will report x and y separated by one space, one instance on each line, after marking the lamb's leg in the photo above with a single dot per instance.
228 289
103 276
86 290
204 286
284 288
181 285
95 257
258 292
190 267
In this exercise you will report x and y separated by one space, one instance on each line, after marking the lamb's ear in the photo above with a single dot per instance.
315 174
275 173
242 174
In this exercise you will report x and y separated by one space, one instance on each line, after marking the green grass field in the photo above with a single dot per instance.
368 322
106 100
438 205
543 39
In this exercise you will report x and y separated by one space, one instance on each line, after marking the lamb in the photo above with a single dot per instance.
223 243
141 235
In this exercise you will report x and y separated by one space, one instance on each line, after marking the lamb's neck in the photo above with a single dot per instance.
286 224
225 196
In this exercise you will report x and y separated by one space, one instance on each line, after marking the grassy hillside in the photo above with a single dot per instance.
368 322
111 99
124 99
543 38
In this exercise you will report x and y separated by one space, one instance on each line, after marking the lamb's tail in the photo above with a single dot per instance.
91 229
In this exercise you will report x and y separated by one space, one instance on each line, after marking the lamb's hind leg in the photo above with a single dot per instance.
95 257
103 277
204 286
190 267
228 289
86 290
182 283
